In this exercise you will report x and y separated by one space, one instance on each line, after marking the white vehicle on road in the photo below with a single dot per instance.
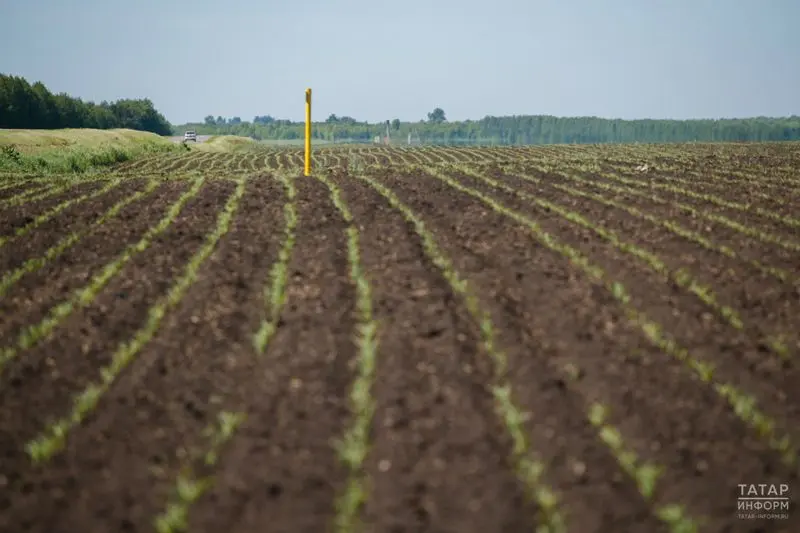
190 136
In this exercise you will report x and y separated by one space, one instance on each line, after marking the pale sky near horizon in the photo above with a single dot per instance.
384 60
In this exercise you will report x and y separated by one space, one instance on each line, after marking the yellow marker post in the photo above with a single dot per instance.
308 132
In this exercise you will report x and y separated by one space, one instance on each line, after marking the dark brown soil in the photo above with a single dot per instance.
500 271
756 191
13 218
767 305
176 387
9 190
747 246
440 456
699 330
31 299
74 219
611 355
56 369
752 246
296 401
439 460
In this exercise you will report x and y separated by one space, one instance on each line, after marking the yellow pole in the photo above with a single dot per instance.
308 132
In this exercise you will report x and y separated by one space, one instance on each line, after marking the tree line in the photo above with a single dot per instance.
523 129
33 106
25 105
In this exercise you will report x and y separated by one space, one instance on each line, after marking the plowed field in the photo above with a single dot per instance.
549 339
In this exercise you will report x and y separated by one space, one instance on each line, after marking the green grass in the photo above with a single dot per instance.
225 143
75 150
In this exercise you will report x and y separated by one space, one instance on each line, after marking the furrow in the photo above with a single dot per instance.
686 233
789 222
528 467
36 263
681 278
52 439
33 334
744 405
56 210
275 293
755 233
48 191
355 443
191 485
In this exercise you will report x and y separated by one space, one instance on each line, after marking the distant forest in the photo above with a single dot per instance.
25 105
529 129
33 106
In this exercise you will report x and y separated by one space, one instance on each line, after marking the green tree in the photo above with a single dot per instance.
23 105
534 129
436 116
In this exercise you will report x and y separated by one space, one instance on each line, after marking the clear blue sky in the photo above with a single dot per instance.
379 60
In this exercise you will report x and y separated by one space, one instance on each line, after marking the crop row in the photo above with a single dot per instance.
35 333
614 182
744 405
681 278
354 444
615 158
33 264
444 165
